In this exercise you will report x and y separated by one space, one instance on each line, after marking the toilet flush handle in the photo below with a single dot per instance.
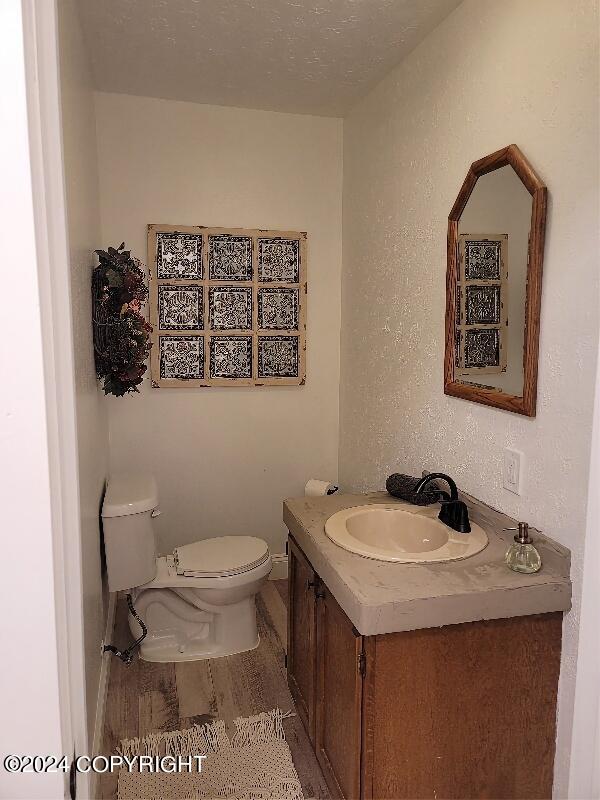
156 512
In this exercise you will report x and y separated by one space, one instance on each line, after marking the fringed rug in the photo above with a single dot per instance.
255 764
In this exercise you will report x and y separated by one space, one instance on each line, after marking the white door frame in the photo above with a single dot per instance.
31 106
40 25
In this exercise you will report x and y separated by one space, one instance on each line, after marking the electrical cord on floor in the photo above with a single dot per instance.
126 656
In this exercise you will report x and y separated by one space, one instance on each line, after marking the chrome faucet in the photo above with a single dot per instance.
453 512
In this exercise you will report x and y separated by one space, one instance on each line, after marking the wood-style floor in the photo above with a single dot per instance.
146 697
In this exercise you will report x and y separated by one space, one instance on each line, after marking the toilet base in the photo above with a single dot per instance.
179 631
166 653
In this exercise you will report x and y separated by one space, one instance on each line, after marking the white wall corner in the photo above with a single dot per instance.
584 768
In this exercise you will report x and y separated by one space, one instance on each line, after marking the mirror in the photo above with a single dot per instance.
493 285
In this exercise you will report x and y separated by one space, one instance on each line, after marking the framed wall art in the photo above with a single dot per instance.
227 306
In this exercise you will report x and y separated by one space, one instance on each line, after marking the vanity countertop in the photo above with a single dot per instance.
383 597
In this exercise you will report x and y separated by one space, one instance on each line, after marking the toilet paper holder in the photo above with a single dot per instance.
318 488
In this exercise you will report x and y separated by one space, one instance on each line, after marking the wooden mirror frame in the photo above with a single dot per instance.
526 403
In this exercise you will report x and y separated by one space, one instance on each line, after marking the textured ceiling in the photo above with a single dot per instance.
305 56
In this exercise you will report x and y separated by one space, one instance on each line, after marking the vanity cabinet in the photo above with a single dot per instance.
302 633
338 697
460 711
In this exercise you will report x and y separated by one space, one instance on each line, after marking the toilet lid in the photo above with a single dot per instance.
224 555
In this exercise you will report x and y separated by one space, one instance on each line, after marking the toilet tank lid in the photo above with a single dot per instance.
129 493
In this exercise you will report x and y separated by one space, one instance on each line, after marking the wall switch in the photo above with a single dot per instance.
512 470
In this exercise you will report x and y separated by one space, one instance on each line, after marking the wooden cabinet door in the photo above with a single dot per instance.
455 712
301 654
340 662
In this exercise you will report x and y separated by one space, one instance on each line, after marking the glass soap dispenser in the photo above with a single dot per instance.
522 556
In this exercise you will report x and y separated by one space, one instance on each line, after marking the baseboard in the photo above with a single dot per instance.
103 689
280 567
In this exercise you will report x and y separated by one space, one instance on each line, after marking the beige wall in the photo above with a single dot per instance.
226 458
491 74
81 174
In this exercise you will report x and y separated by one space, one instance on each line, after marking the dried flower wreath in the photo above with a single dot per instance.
121 333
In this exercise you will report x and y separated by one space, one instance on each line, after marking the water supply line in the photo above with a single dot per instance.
126 656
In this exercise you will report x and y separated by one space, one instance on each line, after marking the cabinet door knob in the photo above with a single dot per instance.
317 587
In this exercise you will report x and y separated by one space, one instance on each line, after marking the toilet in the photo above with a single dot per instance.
197 603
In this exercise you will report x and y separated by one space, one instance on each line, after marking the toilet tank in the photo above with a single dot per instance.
130 502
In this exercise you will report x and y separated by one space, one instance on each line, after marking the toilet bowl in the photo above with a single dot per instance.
197 603
202 616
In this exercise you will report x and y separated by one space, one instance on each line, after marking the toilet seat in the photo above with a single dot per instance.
167 577
221 557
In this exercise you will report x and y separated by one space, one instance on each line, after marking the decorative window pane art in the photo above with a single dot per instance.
278 309
482 260
277 356
228 306
181 357
482 347
179 256
481 303
231 357
278 260
230 257
180 308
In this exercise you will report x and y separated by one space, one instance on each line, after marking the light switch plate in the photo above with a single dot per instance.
512 470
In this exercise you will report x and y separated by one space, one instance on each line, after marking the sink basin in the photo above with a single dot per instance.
388 533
